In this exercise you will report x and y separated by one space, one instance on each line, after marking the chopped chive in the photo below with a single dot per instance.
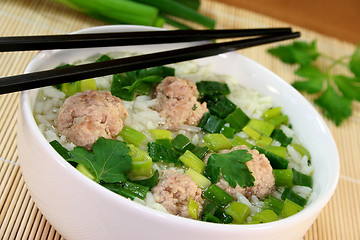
204 120
212 88
217 141
222 108
182 143
200 152
293 196
213 124
274 204
281 137
192 161
228 132
302 179
283 177
237 119
164 142
238 211
132 136
290 208
218 196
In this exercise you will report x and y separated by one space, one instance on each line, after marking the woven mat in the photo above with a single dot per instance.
19 216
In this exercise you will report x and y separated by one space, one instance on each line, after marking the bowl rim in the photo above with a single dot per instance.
316 206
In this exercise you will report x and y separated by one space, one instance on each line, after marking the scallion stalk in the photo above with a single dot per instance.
200 180
193 208
238 211
217 141
132 136
218 196
192 161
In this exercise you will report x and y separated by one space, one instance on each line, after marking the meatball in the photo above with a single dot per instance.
87 116
261 170
174 191
178 104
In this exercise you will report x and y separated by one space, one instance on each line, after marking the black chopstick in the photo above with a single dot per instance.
67 41
75 73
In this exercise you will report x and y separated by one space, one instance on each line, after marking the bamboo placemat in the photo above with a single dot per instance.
19 216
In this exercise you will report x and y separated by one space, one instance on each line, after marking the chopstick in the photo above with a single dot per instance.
75 73
67 41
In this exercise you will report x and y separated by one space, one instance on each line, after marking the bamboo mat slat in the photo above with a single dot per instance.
19 216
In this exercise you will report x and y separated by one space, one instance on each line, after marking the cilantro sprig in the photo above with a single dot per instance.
109 160
335 93
232 167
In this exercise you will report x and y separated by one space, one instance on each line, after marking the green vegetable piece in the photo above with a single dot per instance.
237 119
141 164
164 142
160 134
349 86
238 141
103 58
274 204
335 107
227 132
200 152
150 182
60 149
283 177
213 124
87 84
238 211
132 136
181 143
301 149
232 166
252 132
222 108
281 137
276 161
354 63
109 161
217 141
302 179
84 170
137 190
212 88
218 196
290 208
280 151
211 218
263 127
194 4
293 196
193 208
264 141
213 213
204 120
277 121
200 180
271 113
159 152
314 79
192 161
265 216
70 88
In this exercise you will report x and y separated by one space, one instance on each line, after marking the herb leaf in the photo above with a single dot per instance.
314 79
336 107
232 166
297 52
109 160
354 63
350 87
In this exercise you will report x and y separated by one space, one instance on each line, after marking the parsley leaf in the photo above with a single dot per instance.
314 79
350 87
354 63
336 107
297 52
109 160
232 166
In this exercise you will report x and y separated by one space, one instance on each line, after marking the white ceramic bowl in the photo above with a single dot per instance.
79 208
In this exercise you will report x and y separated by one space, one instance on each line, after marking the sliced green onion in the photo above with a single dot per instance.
283 177
281 137
265 216
193 208
182 143
159 152
222 108
227 132
141 164
290 208
218 196
212 88
213 124
164 142
251 132
200 180
264 141
238 141
60 149
276 161
237 119
293 196
150 182
103 58
70 88
200 152
274 204
301 149
192 161
271 113
302 179
137 190
280 151
263 127
216 142
204 120
160 134
87 84
84 170
277 121
238 211
132 136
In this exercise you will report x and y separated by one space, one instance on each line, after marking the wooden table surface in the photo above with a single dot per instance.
339 19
